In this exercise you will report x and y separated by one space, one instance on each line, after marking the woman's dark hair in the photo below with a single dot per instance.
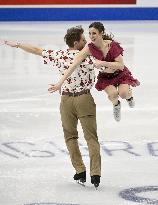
73 34
100 27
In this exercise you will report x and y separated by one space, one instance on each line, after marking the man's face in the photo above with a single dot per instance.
81 43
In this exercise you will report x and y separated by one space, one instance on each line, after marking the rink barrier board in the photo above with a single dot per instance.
78 14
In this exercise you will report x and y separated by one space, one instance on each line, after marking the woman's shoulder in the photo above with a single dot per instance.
112 44
108 41
115 43
116 49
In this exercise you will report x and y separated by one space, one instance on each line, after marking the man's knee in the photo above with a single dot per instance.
70 136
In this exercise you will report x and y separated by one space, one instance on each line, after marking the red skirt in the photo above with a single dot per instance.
117 78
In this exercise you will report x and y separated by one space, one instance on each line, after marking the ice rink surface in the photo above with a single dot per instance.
35 168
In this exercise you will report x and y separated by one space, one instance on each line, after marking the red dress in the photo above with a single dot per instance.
118 77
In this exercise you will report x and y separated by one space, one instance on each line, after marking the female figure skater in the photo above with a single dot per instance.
114 77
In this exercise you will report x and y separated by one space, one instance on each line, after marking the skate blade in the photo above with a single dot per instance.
96 186
81 183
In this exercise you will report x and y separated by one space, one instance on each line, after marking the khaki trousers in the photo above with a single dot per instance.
83 108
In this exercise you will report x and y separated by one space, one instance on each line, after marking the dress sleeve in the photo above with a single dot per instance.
116 49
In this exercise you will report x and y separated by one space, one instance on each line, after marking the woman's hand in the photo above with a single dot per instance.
54 87
98 64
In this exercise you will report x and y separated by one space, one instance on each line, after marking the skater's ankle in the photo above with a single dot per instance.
129 99
116 104
95 179
81 175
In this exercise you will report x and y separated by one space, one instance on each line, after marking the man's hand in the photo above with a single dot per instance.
12 43
2 42
54 87
26 47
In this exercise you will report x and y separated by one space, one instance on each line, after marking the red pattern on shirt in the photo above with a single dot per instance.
82 78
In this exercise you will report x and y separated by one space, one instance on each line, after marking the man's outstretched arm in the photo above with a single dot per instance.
26 47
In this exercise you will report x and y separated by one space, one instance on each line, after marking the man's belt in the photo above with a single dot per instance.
77 93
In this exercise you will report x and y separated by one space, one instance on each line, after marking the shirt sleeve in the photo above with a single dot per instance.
48 56
52 57
116 50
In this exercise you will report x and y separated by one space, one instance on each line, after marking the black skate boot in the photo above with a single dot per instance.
80 178
95 179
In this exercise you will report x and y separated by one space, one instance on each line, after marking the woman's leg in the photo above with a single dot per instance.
112 93
125 92
113 97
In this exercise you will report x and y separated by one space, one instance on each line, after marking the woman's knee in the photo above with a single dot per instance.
123 94
113 95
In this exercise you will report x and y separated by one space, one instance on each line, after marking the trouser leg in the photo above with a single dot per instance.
87 115
69 124
89 128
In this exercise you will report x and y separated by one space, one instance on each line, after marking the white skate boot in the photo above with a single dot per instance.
117 111
131 102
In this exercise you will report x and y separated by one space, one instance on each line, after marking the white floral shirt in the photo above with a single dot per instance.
82 78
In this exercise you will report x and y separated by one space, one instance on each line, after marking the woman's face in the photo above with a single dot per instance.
95 35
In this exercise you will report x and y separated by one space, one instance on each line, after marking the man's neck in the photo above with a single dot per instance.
72 48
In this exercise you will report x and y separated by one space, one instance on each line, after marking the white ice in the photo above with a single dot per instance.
34 165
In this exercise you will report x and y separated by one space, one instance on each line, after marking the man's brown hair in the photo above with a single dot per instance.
73 34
